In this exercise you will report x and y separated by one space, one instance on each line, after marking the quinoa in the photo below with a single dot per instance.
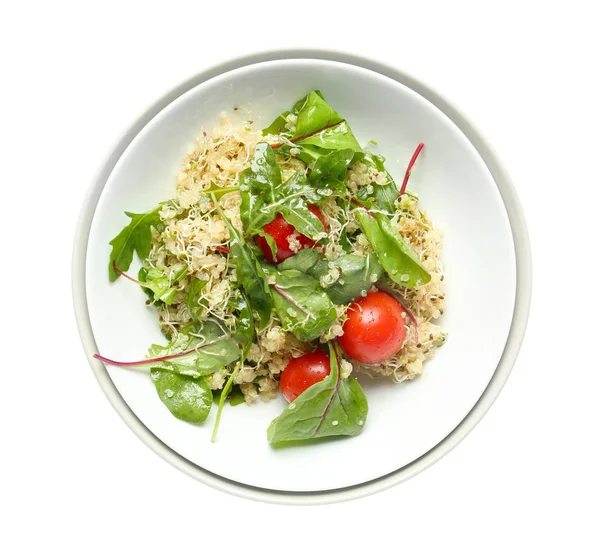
192 233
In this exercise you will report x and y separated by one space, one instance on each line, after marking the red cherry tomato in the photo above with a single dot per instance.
302 372
280 230
375 329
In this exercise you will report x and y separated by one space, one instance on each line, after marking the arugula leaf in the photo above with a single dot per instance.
329 171
396 257
244 320
249 273
216 349
187 398
264 196
194 290
301 304
334 406
384 196
137 236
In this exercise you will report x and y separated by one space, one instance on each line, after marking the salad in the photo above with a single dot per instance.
288 260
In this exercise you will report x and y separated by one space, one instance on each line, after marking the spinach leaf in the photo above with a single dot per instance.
249 273
188 399
264 196
329 171
215 350
301 304
194 291
334 406
137 236
161 285
356 272
384 196
396 257
236 397
302 261
356 275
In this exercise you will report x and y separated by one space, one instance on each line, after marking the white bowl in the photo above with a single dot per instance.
486 256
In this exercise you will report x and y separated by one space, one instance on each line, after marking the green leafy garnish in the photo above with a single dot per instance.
244 336
264 195
357 275
161 285
301 304
383 196
219 191
214 349
302 261
249 273
192 302
396 257
334 406
329 171
319 130
136 237
188 399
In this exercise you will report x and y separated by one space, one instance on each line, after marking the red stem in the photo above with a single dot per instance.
222 249
410 166
300 138
126 276
291 301
155 359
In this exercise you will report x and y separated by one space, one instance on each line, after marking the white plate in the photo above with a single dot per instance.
405 421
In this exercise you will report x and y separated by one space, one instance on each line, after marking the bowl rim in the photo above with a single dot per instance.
502 371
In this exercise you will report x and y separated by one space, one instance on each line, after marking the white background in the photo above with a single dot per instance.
75 476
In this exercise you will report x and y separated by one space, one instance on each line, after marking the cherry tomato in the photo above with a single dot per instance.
302 372
280 230
375 329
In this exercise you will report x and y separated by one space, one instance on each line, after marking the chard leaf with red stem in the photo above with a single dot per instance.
302 306
333 407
